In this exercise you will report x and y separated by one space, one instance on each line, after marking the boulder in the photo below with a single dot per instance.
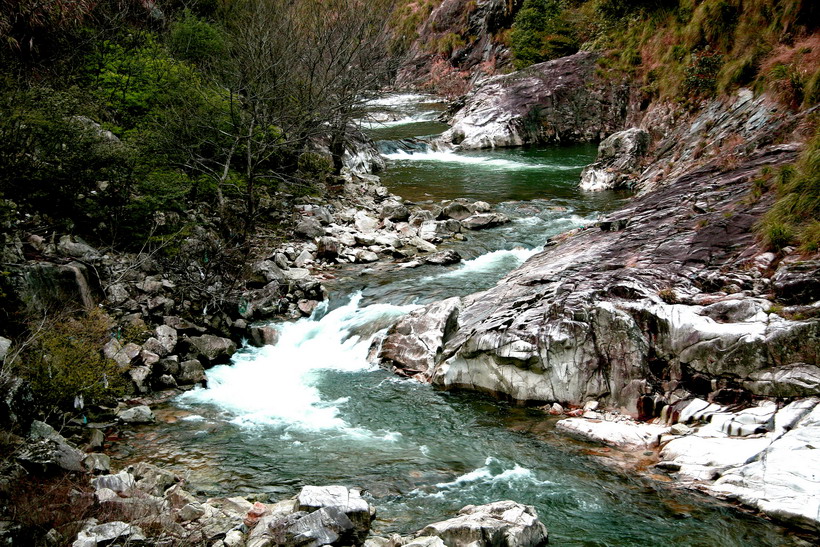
395 211
797 281
97 464
415 342
265 335
498 524
121 482
328 247
557 101
136 415
618 160
310 228
346 500
456 211
190 372
480 221
167 337
443 258
5 345
434 230
365 223
75 247
326 526
210 350
153 480
49 452
787 381
625 434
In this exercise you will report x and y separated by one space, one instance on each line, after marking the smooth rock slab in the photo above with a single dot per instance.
627 434
498 524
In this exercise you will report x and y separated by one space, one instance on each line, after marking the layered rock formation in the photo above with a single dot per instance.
666 298
557 101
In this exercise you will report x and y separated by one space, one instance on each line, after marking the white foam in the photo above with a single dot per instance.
401 99
407 120
276 385
445 156
490 473
493 261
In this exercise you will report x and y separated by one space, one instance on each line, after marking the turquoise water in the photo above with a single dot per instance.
314 410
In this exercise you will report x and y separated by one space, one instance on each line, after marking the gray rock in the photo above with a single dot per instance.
304 258
480 221
797 281
139 378
326 526
191 511
556 101
48 451
443 258
5 345
310 228
120 482
456 211
264 335
618 160
210 350
97 464
109 532
434 230
414 344
365 223
364 256
498 524
167 337
190 372
153 480
75 247
395 211
348 501
136 415
328 247
794 380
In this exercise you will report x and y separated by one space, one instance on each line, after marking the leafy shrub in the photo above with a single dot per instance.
64 362
700 75
541 32
195 40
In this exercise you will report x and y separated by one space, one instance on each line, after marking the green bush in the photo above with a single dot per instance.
195 40
64 362
541 32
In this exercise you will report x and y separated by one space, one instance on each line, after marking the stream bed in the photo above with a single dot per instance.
314 410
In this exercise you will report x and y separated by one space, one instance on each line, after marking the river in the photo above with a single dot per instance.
314 410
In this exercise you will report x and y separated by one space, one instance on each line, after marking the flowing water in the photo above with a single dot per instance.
314 410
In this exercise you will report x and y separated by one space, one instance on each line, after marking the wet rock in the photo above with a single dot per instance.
326 526
481 221
797 281
265 335
136 415
414 344
555 101
618 160
97 464
49 452
395 211
307 306
347 500
108 533
498 524
310 228
456 211
191 372
443 258
626 434
210 350
434 230
328 247
787 381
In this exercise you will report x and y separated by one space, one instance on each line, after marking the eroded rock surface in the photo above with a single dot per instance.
556 101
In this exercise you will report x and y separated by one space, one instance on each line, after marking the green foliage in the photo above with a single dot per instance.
64 361
55 160
542 31
137 80
700 75
195 40
794 217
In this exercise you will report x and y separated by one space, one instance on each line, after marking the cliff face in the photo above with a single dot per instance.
666 299
557 101
457 44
